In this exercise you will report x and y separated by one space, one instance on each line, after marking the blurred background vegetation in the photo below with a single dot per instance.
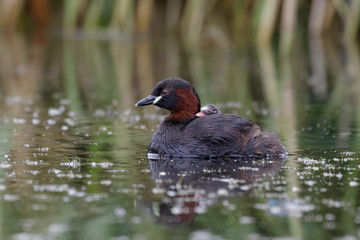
234 20
231 21
280 54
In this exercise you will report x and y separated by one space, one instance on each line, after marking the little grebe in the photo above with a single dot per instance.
181 133
208 110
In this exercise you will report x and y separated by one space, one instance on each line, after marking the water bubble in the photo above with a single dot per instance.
171 193
330 217
24 235
99 113
70 122
74 163
75 193
158 190
57 228
5 165
56 111
19 120
245 187
10 197
222 192
200 209
72 114
310 183
105 182
353 184
176 210
51 121
120 212
35 121
203 235
106 164
28 162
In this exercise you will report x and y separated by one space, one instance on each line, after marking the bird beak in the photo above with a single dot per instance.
148 100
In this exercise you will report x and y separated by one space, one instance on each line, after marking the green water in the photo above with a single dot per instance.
73 145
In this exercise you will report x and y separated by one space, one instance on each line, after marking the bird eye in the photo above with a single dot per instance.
164 92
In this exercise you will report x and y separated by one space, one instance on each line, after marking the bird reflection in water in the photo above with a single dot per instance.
191 186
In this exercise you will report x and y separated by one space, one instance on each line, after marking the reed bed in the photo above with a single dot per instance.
261 19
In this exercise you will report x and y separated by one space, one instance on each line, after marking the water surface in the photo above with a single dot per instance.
73 161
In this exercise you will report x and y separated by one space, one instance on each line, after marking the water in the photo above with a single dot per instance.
73 161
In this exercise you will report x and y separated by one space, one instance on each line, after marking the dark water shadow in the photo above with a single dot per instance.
190 186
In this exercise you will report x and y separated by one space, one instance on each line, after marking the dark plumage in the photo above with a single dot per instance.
181 133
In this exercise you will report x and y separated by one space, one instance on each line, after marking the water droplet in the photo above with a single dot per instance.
35 121
51 121
353 184
120 212
19 120
56 111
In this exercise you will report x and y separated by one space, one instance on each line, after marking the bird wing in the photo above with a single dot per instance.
228 130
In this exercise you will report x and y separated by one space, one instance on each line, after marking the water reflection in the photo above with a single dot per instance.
190 186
